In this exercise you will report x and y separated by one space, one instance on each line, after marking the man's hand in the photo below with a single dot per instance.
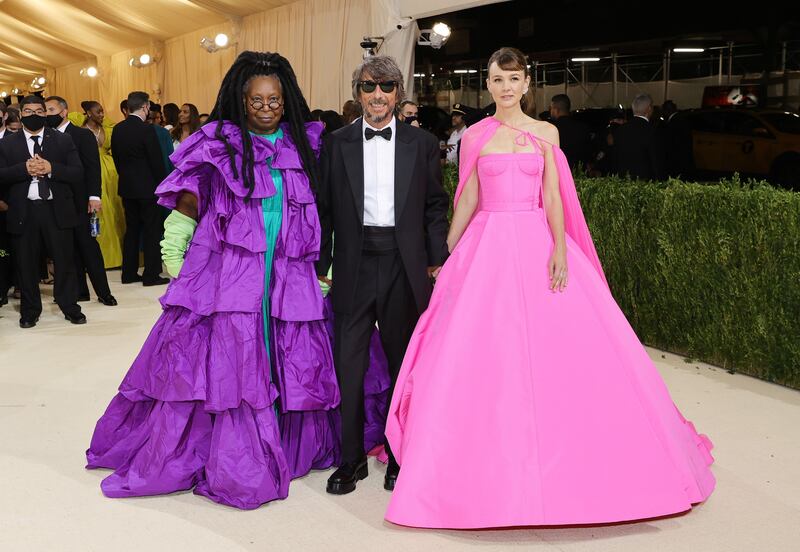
433 271
325 280
44 164
95 205
38 166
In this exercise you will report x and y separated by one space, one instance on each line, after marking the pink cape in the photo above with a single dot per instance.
575 225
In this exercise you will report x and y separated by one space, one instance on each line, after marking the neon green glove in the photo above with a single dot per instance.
178 232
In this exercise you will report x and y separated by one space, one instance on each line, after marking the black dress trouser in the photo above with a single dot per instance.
384 296
41 228
142 217
89 260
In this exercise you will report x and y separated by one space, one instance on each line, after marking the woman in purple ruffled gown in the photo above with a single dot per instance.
234 391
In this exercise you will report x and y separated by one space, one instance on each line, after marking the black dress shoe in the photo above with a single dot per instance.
83 298
79 318
156 282
390 479
344 479
108 300
131 280
25 324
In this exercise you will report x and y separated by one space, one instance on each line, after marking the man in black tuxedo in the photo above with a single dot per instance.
39 171
137 155
637 144
88 256
573 135
381 200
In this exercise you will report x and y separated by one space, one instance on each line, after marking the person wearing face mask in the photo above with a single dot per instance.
88 256
525 398
409 113
138 158
13 123
40 172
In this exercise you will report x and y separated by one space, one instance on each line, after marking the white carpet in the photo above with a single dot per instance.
56 380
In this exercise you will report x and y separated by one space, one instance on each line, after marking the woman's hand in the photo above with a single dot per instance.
557 268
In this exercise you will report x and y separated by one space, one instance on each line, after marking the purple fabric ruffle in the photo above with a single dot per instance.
198 406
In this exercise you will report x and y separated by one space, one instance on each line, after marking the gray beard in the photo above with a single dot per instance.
374 118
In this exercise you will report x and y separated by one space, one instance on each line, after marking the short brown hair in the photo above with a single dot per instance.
511 59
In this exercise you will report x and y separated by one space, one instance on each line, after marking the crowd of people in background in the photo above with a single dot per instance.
133 156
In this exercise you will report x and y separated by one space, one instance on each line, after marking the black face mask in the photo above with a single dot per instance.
54 121
410 120
34 122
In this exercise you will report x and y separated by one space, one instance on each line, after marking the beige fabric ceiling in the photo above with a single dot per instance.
52 33
56 38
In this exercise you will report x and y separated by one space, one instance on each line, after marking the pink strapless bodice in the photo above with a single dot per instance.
510 181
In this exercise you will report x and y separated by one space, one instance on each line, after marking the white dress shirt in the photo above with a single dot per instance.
455 138
33 188
63 129
379 177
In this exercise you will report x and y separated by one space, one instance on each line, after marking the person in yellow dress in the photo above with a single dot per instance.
112 218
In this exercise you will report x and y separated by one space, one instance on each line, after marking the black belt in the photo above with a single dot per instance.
379 240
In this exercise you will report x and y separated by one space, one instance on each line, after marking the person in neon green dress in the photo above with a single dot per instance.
112 218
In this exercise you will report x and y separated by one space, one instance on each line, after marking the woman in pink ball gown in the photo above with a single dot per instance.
525 398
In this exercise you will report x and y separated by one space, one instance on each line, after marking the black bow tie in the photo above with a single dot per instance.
385 133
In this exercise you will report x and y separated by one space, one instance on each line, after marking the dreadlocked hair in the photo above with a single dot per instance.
231 107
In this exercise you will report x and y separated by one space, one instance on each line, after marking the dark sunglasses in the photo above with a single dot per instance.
368 87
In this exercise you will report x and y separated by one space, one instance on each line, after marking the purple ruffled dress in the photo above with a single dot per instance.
204 404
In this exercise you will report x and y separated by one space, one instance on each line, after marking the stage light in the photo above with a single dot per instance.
221 40
142 61
41 80
90 72
435 37
3 94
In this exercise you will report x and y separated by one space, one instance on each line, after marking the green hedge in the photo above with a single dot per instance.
711 271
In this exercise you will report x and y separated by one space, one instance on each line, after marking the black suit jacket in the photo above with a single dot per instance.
575 140
639 150
137 156
66 176
421 206
86 144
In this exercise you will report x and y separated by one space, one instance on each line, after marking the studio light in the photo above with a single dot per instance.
15 91
90 72
435 37
142 61
219 42
41 81
3 94
371 46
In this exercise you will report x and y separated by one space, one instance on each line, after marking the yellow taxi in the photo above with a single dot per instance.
753 142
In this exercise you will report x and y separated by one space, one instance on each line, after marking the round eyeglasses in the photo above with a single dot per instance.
272 105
